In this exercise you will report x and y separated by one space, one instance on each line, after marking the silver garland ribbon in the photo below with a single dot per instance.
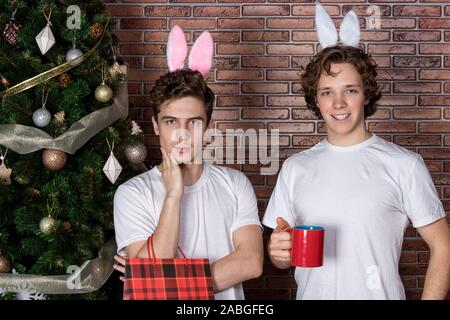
91 276
23 139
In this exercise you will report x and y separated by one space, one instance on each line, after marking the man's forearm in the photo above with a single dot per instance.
438 276
165 237
235 268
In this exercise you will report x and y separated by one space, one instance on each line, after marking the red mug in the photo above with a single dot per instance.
307 246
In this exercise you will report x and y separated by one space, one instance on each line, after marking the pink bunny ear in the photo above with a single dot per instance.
176 49
201 56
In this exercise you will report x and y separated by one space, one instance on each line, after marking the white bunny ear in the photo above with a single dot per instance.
350 32
326 31
176 49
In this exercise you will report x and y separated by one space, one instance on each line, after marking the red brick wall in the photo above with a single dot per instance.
260 46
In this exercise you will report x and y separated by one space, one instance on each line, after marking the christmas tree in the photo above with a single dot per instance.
66 144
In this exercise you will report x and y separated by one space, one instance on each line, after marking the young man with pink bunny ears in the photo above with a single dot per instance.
206 210
360 188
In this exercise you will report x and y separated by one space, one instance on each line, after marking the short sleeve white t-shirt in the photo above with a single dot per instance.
364 196
220 202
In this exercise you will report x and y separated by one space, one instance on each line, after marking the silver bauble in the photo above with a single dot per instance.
46 225
103 93
73 56
136 153
42 117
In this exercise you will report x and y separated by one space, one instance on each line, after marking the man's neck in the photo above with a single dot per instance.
350 139
191 173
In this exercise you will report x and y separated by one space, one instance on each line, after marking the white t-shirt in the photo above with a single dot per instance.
220 202
364 196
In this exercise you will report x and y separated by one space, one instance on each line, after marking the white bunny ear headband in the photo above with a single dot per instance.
349 32
201 56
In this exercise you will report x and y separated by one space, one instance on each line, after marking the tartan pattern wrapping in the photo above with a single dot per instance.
167 279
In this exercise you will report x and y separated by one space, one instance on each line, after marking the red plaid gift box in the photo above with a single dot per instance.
167 279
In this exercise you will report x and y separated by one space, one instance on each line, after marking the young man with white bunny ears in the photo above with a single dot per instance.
362 189
208 211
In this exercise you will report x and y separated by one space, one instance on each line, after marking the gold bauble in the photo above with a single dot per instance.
103 93
47 225
54 159
5 265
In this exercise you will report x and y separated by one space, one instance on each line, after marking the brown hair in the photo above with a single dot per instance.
179 84
321 63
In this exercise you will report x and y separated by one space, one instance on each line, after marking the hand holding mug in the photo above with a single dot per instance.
301 246
280 244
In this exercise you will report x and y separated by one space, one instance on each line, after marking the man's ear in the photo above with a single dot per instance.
155 126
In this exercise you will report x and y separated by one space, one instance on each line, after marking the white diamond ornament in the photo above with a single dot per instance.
112 168
45 39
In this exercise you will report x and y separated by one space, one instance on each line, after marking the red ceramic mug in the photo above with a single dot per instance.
307 246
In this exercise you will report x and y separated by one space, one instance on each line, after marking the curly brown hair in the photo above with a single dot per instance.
179 84
321 63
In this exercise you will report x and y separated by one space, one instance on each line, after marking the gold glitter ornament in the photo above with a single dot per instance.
53 159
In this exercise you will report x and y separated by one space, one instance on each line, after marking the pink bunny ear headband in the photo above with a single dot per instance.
200 58
349 32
